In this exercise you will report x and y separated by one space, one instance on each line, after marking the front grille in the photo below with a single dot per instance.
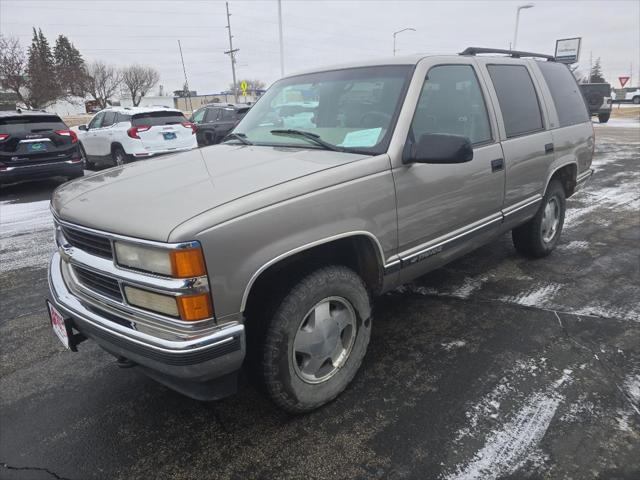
89 242
99 283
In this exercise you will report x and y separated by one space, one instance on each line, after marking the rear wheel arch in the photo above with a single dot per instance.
567 175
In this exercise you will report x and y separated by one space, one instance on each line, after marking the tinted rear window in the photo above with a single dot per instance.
31 124
158 118
566 93
517 98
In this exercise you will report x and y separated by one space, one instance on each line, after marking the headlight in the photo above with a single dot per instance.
183 263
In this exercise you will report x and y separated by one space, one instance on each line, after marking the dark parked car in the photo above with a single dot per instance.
598 99
216 121
35 145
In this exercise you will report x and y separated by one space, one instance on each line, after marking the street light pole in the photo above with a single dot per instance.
281 39
515 34
396 33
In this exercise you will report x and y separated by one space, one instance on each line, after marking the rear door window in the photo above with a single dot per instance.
121 117
211 115
154 119
517 98
25 124
451 102
228 114
566 93
109 118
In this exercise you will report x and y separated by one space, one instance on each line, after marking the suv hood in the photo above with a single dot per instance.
148 199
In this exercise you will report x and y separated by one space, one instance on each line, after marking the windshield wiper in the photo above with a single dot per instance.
309 136
241 137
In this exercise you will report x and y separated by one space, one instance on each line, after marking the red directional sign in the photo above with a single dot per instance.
623 81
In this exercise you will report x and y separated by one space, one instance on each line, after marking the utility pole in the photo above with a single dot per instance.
186 82
590 65
232 54
281 40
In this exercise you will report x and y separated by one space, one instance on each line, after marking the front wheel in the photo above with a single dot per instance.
539 236
636 100
316 339
604 117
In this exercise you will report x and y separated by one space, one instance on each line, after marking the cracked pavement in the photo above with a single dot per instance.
491 367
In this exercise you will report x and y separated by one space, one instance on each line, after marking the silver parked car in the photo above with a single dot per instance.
266 250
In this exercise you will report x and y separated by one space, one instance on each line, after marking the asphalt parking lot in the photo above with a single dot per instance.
491 367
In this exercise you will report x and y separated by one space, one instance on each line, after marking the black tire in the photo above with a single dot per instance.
118 156
282 379
636 100
604 117
209 139
529 238
88 164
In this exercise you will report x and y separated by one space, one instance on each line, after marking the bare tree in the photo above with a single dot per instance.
13 67
103 82
139 80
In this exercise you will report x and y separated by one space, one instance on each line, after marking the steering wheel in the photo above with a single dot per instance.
375 119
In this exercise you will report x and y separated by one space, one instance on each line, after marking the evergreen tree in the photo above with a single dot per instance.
70 68
596 73
41 82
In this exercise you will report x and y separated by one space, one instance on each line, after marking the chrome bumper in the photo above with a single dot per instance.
199 358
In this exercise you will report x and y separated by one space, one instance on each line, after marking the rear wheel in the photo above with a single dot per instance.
119 156
636 100
539 236
604 117
85 160
316 340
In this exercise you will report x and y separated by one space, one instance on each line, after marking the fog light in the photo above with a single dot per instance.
155 302
195 307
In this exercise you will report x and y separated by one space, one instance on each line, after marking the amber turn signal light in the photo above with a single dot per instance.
187 263
195 307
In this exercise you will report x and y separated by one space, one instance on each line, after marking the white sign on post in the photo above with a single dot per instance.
568 50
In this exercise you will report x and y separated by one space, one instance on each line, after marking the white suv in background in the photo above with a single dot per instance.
118 135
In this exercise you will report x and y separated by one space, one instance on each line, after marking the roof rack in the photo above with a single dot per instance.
511 53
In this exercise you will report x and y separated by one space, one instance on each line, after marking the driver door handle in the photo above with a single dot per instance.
497 165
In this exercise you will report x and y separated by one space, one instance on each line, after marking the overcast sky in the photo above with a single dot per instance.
318 32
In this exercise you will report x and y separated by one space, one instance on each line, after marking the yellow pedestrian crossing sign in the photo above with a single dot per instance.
243 87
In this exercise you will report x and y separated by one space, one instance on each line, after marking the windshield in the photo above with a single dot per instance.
354 109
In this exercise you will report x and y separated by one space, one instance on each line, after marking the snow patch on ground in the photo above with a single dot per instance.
538 296
632 387
453 345
619 122
26 235
515 442
574 245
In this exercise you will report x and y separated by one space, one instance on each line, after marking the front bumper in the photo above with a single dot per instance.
190 365
37 171
583 178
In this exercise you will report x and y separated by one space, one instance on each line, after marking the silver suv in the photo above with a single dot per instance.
266 250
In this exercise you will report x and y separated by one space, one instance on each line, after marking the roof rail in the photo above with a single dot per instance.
511 53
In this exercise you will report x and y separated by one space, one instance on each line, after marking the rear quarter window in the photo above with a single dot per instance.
157 118
566 94
517 98
31 124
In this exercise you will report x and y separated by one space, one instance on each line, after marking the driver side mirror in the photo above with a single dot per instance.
441 148
82 127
